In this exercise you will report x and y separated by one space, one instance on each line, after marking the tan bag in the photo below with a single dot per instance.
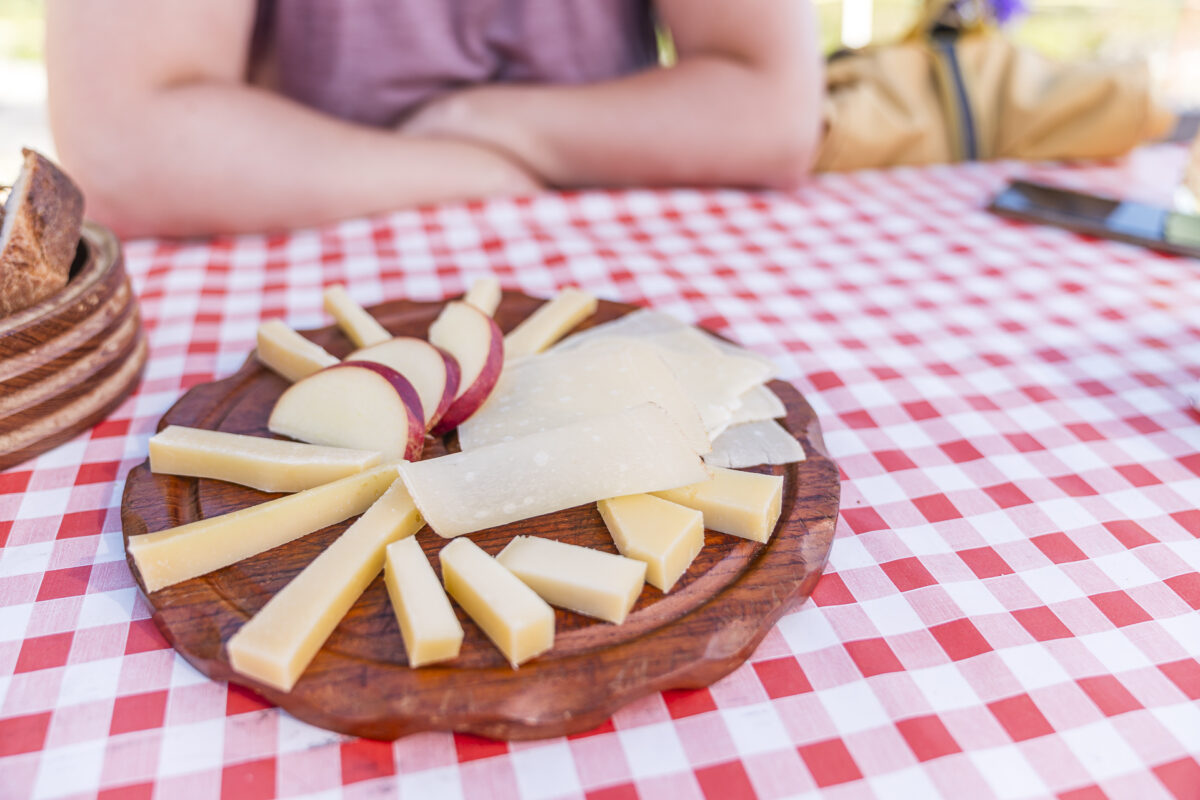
953 91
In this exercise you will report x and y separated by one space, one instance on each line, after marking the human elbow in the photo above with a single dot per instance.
121 187
96 160
790 149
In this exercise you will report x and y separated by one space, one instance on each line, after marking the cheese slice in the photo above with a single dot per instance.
509 612
553 389
288 353
665 536
549 323
754 443
579 579
177 554
277 644
363 329
647 322
637 450
427 622
743 504
713 379
484 295
269 465
758 404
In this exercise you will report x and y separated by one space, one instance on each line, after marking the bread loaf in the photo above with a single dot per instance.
39 234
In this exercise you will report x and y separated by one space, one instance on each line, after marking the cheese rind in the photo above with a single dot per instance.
269 465
354 320
288 353
553 389
277 644
580 579
517 621
549 323
744 504
177 554
665 536
637 450
484 294
427 622
754 443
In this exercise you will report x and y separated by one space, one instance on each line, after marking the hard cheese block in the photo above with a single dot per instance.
553 389
484 295
363 329
177 554
517 621
753 443
427 622
580 579
665 536
549 323
269 465
288 353
743 504
278 642
637 450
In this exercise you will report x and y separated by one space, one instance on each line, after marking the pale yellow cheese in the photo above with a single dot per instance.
517 621
177 554
637 450
757 404
743 504
279 642
580 579
484 295
665 536
363 329
752 443
270 465
288 353
553 389
549 323
427 622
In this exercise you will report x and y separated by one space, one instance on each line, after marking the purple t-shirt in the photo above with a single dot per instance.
374 61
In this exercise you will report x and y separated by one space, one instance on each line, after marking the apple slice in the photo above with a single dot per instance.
431 370
476 342
356 404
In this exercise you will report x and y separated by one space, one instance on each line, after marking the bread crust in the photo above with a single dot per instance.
45 216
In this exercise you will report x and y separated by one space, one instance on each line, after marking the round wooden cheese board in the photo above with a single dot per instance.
359 683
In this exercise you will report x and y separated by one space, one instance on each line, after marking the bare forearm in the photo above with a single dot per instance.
222 157
706 121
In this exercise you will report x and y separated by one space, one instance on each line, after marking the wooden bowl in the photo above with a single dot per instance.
68 361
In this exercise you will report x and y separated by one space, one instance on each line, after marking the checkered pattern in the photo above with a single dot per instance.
1010 607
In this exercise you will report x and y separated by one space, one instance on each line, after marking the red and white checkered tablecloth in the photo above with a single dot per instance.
1010 605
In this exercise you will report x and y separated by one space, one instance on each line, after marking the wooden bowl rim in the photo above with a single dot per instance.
101 253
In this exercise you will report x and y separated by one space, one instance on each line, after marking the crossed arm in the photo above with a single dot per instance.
153 116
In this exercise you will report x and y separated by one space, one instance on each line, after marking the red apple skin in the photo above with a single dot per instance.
453 376
408 398
470 400
449 386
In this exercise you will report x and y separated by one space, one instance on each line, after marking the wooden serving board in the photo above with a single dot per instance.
359 683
